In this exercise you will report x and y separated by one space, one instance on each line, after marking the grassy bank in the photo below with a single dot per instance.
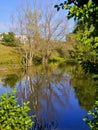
9 55
12 55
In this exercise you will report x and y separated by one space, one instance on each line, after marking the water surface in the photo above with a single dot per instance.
59 96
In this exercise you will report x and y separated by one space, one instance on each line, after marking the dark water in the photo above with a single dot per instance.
59 96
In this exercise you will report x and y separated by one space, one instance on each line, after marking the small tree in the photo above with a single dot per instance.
9 39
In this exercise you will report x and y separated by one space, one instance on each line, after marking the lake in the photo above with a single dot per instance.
60 95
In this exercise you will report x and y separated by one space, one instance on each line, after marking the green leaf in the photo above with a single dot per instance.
13 116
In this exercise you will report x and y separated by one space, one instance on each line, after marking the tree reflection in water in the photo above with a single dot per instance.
85 88
52 98
45 88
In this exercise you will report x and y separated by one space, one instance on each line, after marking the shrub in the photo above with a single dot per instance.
10 40
92 117
12 115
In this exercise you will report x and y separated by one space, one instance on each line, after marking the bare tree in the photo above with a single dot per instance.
27 20
41 28
53 28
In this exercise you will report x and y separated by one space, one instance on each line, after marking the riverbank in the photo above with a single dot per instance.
9 55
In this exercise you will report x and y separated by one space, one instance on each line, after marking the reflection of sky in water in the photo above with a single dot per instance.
62 109
4 89
58 106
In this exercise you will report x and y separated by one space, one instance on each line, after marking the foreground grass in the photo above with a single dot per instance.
9 55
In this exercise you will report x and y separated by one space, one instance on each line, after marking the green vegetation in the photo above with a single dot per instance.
17 55
12 115
46 46
9 55
92 118
10 80
85 88
85 14
9 39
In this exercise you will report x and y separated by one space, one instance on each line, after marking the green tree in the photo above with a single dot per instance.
85 14
9 39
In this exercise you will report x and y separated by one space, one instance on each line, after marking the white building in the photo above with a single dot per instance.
22 38
1 36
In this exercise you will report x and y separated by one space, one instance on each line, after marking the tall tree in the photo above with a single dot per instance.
52 29
41 27
27 20
85 14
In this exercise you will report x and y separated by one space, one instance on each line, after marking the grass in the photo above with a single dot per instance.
9 55
56 59
12 56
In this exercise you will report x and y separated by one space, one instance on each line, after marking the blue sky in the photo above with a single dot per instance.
8 7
